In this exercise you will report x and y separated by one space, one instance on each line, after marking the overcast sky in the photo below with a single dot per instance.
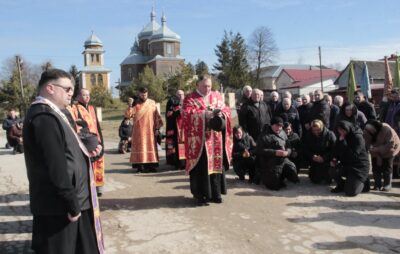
55 30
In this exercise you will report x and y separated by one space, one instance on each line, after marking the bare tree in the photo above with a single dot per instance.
262 50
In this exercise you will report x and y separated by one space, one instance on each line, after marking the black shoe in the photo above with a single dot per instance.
217 200
337 189
201 202
367 186
140 169
241 178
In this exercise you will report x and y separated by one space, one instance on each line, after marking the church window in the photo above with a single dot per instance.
130 73
98 58
92 58
170 49
93 79
100 79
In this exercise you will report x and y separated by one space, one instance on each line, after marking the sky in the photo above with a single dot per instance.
42 30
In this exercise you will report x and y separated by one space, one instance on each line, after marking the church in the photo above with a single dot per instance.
157 47
93 72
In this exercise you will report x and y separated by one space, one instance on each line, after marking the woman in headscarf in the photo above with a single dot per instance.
349 112
350 161
318 149
383 143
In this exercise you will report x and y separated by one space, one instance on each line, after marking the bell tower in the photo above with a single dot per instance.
93 72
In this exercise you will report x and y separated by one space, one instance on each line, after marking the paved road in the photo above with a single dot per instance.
154 213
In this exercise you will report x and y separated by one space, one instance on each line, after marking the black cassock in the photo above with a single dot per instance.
172 112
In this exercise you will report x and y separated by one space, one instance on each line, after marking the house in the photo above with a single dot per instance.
298 81
269 74
376 71
157 47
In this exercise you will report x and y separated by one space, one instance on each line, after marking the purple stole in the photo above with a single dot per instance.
93 193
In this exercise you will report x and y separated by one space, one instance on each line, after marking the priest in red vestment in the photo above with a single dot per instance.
208 142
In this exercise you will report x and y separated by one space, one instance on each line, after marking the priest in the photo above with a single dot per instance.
208 146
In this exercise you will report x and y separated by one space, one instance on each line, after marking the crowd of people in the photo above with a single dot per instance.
276 137
329 137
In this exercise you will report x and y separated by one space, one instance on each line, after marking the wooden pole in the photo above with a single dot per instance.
320 68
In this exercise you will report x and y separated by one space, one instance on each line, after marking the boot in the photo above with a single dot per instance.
377 181
339 188
387 182
366 186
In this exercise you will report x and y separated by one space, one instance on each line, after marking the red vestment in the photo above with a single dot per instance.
199 136
89 116
146 119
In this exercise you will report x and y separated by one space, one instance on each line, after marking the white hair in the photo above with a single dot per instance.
338 100
247 88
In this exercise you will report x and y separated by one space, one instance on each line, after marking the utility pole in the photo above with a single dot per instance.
19 61
320 68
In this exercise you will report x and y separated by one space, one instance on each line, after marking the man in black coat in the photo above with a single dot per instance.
335 110
246 97
320 109
62 200
304 112
289 114
273 102
273 150
364 106
255 115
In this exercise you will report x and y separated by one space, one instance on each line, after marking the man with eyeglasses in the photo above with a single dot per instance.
63 198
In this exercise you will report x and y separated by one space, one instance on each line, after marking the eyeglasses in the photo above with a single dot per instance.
66 89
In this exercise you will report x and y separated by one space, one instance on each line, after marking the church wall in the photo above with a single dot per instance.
88 80
143 46
167 67
157 48
177 48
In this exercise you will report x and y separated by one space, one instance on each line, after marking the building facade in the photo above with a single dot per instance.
298 81
93 72
157 47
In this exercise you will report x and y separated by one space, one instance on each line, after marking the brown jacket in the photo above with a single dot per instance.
387 143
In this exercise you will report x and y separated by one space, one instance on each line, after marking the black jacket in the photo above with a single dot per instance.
125 130
292 116
304 114
322 145
267 145
240 145
273 105
335 110
320 110
253 118
58 171
368 109
351 152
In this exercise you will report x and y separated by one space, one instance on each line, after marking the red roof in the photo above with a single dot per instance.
302 75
